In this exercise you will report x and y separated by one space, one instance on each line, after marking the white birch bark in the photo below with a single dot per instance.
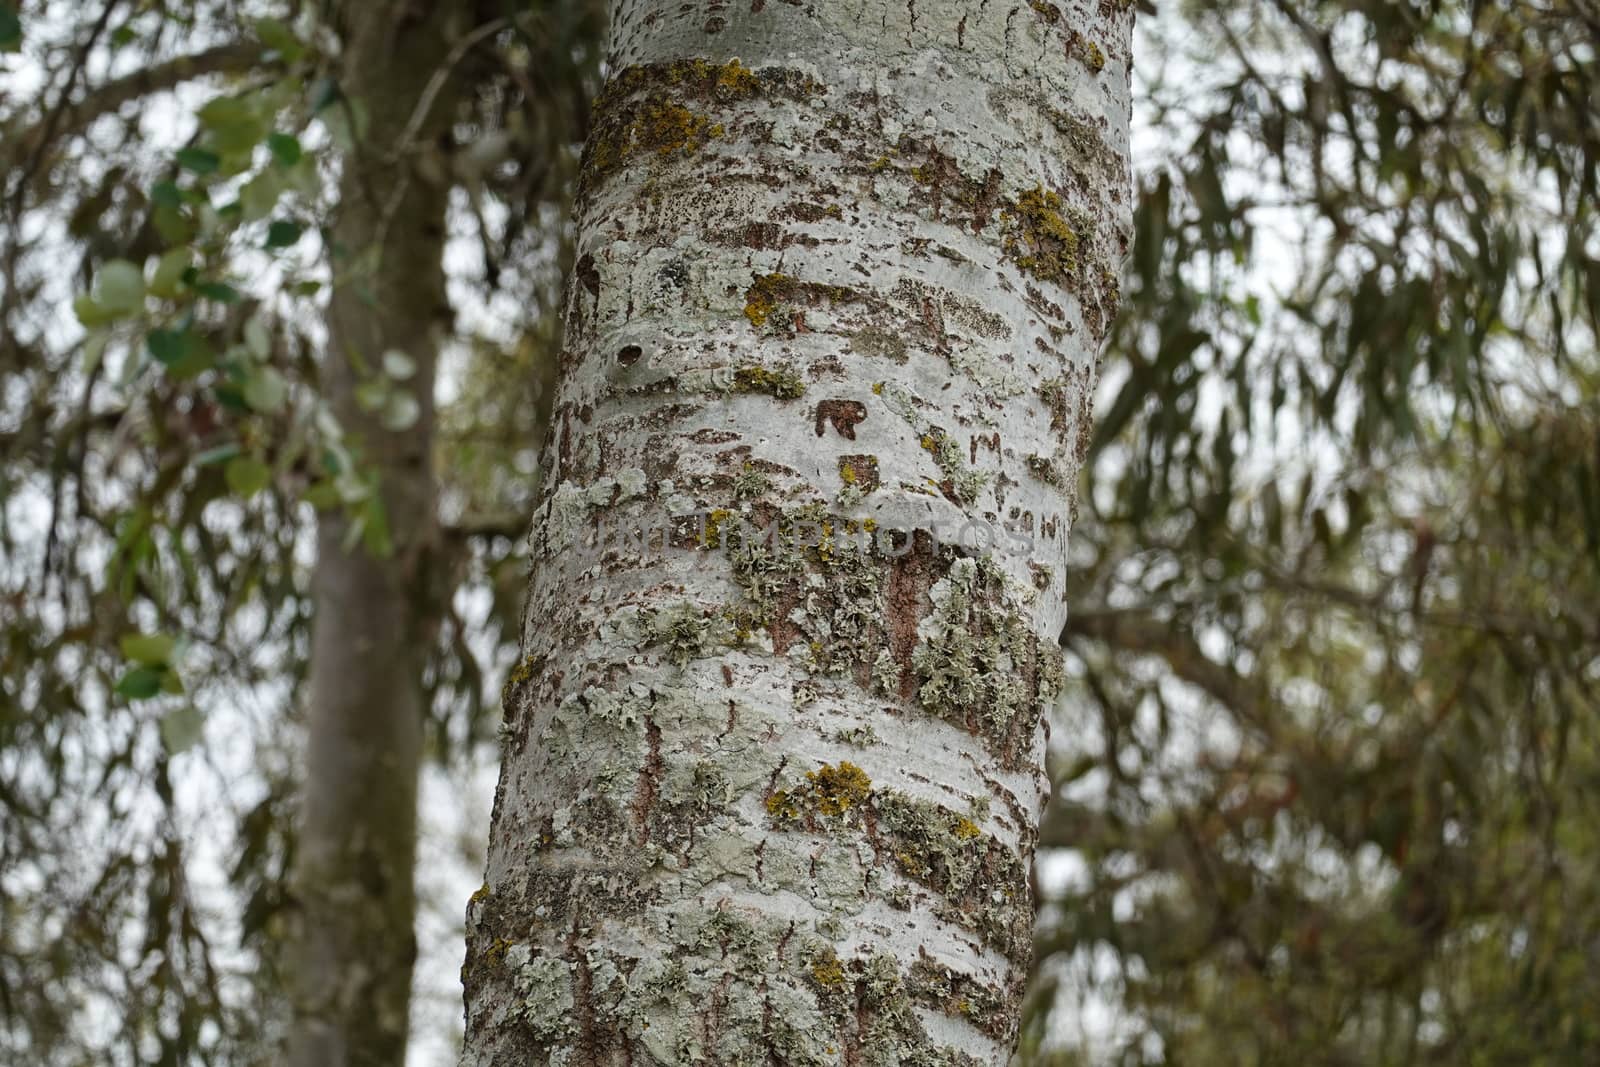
844 269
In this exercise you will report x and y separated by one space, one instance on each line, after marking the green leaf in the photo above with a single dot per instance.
280 39
257 338
233 124
323 496
398 365
247 475
285 149
10 28
141 683
199 160
182 352
175 227
260 195
91 314
149 650
221 292
220 454
169 272
166 346
324 93
283 234
266 391
182 728
120 287
401 411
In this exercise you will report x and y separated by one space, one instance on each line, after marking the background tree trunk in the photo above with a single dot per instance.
376 606
842 270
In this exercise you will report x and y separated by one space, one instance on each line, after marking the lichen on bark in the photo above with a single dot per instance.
772 783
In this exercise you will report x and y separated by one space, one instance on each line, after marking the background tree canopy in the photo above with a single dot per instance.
1328 769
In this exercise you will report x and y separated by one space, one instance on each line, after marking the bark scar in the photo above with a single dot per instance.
843 415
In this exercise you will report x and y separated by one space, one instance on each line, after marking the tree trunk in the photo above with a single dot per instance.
376 604
772 778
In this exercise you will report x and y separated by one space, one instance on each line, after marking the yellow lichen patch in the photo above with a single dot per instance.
712 537
497 951
780 382
965 829
777 299
737 80
782 806
828 972
762 297
1038 237
1093 57
835 790
480 896
859 471
517 677
656 124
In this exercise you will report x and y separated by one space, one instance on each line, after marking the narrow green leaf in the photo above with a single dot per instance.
169 272
324 93
283 234
10 28
120 287
221 292
247 475
141 683
199 160
90 313
220 454
279 38
266 391
149 650
285 149
181 729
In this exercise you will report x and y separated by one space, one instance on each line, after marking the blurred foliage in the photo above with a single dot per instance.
1334 629
167 175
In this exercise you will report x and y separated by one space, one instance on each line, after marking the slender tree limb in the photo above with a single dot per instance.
234 58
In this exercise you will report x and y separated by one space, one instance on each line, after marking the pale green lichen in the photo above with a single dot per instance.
961 483
750 483
860 736
684 631
978 664
544 986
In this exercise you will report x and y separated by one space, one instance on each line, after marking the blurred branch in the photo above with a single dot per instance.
1136 632
70 119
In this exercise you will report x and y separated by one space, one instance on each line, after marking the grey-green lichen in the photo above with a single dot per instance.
685 632
978 663
961 483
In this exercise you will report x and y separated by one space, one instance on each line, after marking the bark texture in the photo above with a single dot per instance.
354 943
772 778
